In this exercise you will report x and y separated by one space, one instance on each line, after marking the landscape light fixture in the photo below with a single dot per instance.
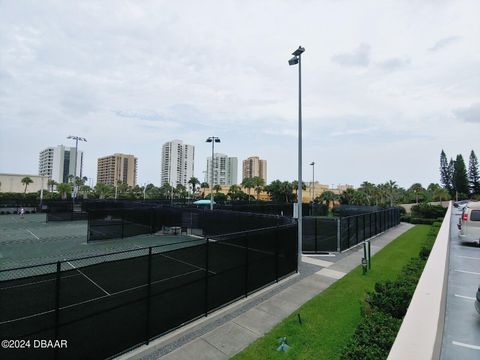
297 59
213 140
77 139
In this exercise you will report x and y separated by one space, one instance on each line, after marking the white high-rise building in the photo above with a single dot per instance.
59 162
225 170
177 163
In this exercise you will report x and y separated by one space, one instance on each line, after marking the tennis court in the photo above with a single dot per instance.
116 294
31 241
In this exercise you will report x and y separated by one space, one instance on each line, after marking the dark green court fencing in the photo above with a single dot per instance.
319 234
271 208
338 234
355 229
119 223
63 211
105 305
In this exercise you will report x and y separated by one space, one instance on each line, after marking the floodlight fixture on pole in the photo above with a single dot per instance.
213 140
297 59
77 139
313 180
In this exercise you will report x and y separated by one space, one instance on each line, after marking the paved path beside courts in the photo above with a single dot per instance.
231 329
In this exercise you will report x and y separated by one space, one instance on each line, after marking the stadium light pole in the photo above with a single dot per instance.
313 180
77 139
297 59
213 140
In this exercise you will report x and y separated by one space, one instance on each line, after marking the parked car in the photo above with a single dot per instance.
477 302
460 205
469 223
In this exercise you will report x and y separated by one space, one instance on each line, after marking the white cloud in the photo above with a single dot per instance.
443 43
359 57
469 114
130 76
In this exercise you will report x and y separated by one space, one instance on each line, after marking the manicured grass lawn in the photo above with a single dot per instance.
330 319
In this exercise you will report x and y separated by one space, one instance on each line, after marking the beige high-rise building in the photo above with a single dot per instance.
116 167
254 166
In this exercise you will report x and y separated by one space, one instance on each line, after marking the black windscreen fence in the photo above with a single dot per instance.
64 211
356 229
282 209
321 234
105 305
119 223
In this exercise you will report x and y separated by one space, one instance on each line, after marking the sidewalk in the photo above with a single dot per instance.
231 329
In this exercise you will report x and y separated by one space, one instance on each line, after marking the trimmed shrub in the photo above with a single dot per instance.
421 221
385 307
392 298
427 211
373 338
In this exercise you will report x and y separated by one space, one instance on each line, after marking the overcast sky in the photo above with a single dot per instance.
386 84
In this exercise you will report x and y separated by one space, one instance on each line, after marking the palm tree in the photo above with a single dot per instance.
26 181
64 189
347 197
274 189
166 191
370 192
203 186
217 188
441 194
102 190
181 191
328 197
234 192
51 183
194 182
259 183
85 190
287 190
417 189
391 189
248 184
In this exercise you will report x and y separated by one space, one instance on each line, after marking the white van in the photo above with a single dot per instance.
470 223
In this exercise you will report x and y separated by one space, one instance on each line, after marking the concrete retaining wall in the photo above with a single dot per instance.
420 336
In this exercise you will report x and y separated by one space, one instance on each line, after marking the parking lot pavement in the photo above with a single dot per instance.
461 336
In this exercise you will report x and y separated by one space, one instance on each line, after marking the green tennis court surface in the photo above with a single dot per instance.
31 241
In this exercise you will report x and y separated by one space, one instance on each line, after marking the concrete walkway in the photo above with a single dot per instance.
231 329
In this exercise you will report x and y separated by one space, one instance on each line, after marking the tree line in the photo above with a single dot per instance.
460 182
369 194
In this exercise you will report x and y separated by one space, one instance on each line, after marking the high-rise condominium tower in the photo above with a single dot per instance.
225 170
254 166
177 163
117 167
59 162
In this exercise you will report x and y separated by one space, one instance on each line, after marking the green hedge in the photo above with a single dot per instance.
427 211
385 307
415 220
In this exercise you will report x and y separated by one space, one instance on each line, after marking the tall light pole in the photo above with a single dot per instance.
213 140
313 180
297 59
76 138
